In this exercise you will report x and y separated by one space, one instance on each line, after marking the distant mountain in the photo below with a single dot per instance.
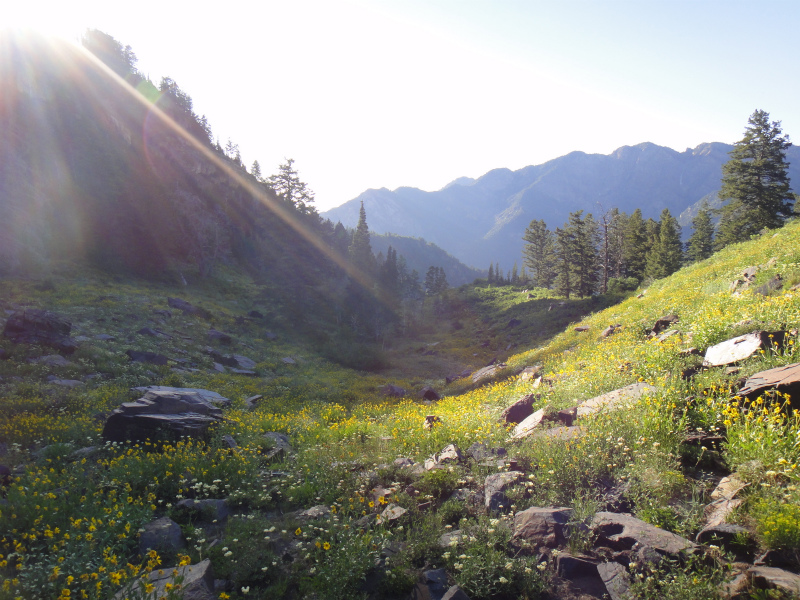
420 255
482 221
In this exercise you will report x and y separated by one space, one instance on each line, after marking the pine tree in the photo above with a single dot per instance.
255 170
755 182
290 188
360 251
538 253
490 277
584 253
666 255
634 254
515 275
562 249
701 244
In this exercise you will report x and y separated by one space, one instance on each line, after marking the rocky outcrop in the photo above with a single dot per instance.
622 532
197 583
741 347
495 486
34 326
163 413
542 526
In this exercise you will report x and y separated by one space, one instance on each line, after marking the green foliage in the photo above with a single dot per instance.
701 243
538 254
666 255
755 183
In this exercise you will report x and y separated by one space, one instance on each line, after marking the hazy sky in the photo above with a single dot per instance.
367 94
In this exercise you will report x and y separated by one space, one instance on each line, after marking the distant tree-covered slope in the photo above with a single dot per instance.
484 220
419 255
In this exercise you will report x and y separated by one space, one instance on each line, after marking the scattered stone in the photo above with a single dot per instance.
773 285
487 373
432 585
529 373
280 446
34 326
252 401
163 313
148 331
71 383
4 354
147 357
218 336
450 453
785 379
104 337
494 490
451 538
663 323
455 593
741 347
206 395
543 526
197 583
174 413
622 531
610 330
204 510
563 434
616 580
567 416
163 535
666 335
219 368
393 391
289 361
430 421
581 572
773 578
188 308
528 424
228 441
393 513
582 328
519 410
254 314
616 399
245 372
428 393
403 462
51 360
733 538
315 512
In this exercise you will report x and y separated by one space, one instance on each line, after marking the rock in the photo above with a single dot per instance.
245 372
288 361
254 314
494 490
451 538
529 373
219 368
517 412
34 326
728 487
4 354
622 531
52 360
663 323
280 446
197 583
163 535
562 434
543 526
392 513
610 330
228 441
432 586
450 454
772 578
71 383
403 462
206 395
148 331
581 572
785 379
455 593
740 348
160 413
487 373
428 393
147 357
582 328
717 512
773 285
204 510
614 400
393 391
218 336
733 538
430 421
567 416
528 424
163 313
252 401
315 512
188 308
666 335
616 580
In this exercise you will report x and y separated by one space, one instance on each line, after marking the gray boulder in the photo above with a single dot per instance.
543 526
772 578
34 326
623 531
495 498
740 348
163 535
519 410
197 583
616 579
616 399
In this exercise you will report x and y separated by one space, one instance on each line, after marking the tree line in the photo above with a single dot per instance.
617 251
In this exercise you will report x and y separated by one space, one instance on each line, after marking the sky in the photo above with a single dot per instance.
388 93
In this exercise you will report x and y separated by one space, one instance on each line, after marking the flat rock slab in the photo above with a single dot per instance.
487 373
785 379
740 348
561 434
528 425
145 356
495 485
616 399
616 579
770 577
622 531
205 395
197 583
542 526
188 308
519 410
52 360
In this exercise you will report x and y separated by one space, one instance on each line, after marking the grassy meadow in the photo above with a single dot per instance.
70 514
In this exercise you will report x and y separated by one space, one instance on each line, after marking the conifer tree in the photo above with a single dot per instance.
584 253
290 188
255 170
490 277
635 246
538 253
515 274
360 251
755 182
701 244
666 254
562 249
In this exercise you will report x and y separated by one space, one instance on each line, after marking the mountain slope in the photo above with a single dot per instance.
482 221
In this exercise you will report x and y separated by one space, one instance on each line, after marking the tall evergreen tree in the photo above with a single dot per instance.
755 182
288 186
616 239
538 253
666 255
635 246
360 250
490 277
562 250
701 244
584 253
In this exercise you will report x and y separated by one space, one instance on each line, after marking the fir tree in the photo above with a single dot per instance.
634 254
562 249
360 251
701 244
290 188
490 277
666 255
538 253
755 182
584 253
